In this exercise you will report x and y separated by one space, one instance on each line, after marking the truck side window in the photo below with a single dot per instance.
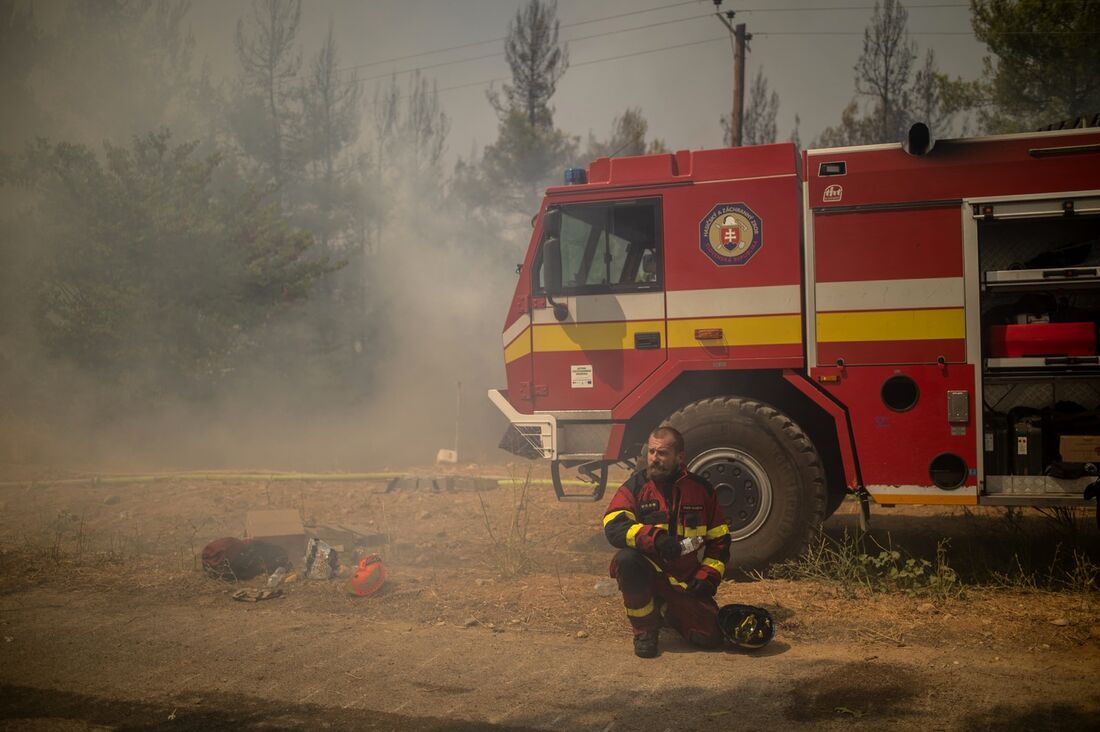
611 246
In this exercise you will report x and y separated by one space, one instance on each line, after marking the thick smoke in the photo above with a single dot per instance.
434 292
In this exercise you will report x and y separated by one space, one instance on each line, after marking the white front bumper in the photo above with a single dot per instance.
539 430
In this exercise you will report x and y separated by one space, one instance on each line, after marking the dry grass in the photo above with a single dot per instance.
509 551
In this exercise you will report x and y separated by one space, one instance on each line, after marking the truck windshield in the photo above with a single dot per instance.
609 246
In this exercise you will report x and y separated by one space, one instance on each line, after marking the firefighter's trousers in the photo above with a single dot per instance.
646 589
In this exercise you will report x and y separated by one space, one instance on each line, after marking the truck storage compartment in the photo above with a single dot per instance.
1039 310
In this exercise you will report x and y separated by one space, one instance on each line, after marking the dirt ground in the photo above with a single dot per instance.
107 624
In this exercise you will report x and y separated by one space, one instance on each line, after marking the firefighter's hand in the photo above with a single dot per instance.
667 547
702 588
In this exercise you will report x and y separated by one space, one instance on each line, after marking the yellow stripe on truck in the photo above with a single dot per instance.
891 325
618 336
518 348
761 330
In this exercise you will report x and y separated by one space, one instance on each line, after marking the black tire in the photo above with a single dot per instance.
768 475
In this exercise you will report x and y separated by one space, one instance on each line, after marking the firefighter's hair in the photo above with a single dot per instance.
666 431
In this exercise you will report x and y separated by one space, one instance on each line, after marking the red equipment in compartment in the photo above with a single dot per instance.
1042 339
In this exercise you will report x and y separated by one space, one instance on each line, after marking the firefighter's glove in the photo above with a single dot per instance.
667 546
702 588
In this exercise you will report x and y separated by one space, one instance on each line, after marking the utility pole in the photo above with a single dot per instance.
741 38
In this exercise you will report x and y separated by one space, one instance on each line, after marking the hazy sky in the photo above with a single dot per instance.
807 52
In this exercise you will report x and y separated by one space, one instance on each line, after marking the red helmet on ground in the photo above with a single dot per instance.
367 577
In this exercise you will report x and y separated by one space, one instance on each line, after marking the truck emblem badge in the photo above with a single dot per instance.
730 234
832 194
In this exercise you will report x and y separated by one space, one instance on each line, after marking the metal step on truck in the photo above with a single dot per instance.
913 322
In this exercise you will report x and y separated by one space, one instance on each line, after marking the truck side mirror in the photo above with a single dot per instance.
551 265
551 275
551 223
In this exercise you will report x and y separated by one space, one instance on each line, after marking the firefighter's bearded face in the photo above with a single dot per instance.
662 459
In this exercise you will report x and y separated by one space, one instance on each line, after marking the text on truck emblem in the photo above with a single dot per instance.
832 194
730 234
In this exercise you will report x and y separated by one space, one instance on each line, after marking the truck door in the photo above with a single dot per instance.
608 333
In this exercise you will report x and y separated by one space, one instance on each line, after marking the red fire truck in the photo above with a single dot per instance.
915 323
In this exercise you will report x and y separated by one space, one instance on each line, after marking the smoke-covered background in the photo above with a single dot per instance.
263 234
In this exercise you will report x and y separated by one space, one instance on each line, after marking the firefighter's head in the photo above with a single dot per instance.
664 453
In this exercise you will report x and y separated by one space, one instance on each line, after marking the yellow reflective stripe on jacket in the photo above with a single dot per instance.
632 534
718 531
640 612
671 580
697 531
615 514
716 565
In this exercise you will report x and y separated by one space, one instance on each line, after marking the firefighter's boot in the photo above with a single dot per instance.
645 644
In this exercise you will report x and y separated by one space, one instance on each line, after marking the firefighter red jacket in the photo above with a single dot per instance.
642 510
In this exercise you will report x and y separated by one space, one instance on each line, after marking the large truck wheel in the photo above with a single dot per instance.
767 474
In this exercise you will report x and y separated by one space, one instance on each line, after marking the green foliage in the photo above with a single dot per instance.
537 63
885 67
20 42
628 137
758 125
858 564
267 120
529 153
112 69
1046 65
896 91
524 160
148 276
854 129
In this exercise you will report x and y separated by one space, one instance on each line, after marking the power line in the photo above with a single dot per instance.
583 63
497 54
845 7
645 52
502 38
831 8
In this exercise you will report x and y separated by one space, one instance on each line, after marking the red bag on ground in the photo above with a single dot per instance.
230 558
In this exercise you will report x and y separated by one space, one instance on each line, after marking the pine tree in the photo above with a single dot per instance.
628 137
884 68
537 63
270 61
1045 62
758 126
331 107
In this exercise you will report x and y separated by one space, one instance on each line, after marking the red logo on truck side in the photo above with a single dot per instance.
832 194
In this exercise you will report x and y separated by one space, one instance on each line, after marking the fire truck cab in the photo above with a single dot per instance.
913 322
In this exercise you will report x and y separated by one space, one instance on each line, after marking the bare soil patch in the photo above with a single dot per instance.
107 624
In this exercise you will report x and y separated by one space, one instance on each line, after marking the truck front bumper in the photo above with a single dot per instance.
529 435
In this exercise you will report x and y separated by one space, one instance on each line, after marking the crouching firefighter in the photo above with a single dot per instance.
673 544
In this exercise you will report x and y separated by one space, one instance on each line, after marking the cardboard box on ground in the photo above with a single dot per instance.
282 527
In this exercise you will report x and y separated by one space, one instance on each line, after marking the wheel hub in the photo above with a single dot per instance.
743 489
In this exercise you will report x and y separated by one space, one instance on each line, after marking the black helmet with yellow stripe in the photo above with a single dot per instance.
745 626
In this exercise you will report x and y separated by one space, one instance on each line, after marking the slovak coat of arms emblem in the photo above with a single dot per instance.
730 234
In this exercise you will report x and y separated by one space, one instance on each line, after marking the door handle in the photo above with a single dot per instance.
647 341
